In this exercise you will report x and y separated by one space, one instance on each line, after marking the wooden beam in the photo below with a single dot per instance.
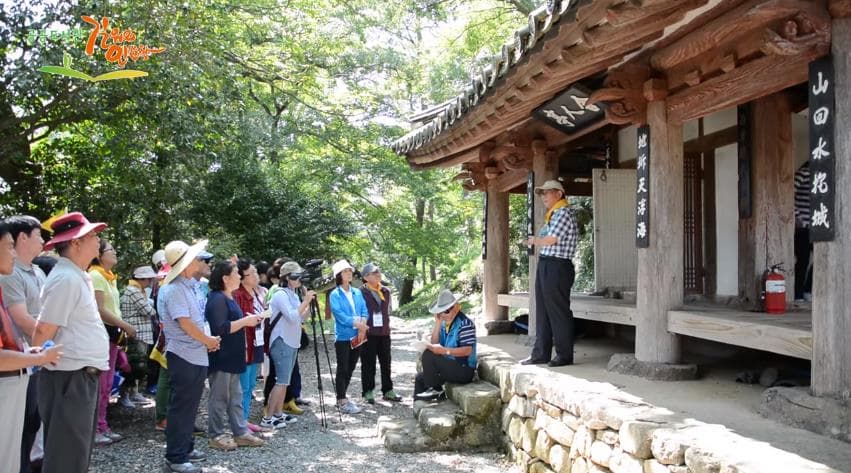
839 8
764 76
832 260
510 179
726 29
712 141
660 266
496 264
767 238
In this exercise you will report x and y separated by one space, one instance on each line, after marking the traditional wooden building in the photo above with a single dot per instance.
686 120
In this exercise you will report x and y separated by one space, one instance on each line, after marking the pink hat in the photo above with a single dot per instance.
71 226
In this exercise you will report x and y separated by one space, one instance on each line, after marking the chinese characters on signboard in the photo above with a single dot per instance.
822 161
485 228
642 190
530 209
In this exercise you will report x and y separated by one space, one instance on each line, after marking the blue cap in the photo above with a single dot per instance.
204 256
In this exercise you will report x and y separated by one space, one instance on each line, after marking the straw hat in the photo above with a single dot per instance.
179 256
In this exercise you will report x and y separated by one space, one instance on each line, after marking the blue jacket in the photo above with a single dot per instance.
343 315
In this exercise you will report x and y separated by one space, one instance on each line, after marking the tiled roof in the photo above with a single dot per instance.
541 21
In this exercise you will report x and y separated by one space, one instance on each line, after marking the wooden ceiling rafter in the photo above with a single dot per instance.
562 60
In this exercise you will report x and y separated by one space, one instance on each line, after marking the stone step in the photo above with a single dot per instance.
479 400
442 426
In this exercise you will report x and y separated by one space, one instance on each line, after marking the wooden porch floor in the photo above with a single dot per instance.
789 334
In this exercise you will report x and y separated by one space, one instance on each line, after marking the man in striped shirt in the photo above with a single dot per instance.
554 279
803 247
451 355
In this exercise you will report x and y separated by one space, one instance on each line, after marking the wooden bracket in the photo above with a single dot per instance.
839 8
623 92
655 89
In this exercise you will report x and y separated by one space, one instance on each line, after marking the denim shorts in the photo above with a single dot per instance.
284 357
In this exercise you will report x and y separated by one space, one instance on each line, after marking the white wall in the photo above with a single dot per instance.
627 144
727 220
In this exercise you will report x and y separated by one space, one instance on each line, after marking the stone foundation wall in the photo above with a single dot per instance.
563 424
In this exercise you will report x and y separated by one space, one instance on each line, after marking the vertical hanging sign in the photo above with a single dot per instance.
485 228
822 156
642 189
530 210
744 145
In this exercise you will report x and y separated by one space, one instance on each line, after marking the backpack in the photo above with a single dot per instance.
268 326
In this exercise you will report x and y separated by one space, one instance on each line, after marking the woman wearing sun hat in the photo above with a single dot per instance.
349 310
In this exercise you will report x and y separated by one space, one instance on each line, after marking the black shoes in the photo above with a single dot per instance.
559 362
532 361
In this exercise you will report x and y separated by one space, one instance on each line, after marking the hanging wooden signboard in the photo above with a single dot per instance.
530 210
642 189
485 227
744 161
822 156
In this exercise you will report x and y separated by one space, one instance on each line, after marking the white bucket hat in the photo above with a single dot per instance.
179 256
445 300
144 272
340 266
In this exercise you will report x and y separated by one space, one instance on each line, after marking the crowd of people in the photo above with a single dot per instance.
186 324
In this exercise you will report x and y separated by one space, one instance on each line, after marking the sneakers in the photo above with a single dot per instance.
115 437
138 398
161 425
302 402
275 422
430 394
125 402
348 407
223 442
196 455
180 468
291 408
102 440
369 397
392 396
248 440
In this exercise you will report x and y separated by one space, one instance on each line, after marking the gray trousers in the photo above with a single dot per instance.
224 405
67 402
13 392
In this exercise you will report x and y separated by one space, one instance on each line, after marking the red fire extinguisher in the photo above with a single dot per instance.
774 290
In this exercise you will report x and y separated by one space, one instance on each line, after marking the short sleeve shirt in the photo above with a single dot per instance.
111 296
23 286
180 300
68 301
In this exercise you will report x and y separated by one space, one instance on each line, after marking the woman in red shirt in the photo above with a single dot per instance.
249 297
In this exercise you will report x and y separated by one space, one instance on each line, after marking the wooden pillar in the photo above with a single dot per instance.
545 167
496 262
831 368
768 237
660 266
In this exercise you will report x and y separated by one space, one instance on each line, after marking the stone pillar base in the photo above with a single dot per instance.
497 327
626 363
797 407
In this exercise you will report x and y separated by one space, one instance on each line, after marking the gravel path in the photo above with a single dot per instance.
352 445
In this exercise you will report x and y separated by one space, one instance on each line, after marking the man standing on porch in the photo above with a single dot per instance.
554 279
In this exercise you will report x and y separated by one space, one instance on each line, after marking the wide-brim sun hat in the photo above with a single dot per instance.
552 184
341 266
72 226
179 256
445 300
290 267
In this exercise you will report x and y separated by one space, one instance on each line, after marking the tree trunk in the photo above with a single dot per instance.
406 294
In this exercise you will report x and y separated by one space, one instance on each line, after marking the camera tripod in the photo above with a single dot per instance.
314 316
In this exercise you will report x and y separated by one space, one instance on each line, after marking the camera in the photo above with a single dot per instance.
312 277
